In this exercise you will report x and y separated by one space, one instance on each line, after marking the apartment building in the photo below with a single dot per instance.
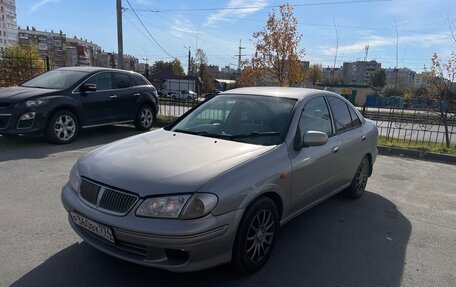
8 23
49 44
359 72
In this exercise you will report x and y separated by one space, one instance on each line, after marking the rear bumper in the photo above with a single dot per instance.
187 245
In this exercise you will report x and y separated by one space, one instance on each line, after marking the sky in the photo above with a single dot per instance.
421 25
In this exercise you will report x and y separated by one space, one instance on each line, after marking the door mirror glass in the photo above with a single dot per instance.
88 87
314 138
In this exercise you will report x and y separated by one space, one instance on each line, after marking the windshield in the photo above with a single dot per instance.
252 119
56 79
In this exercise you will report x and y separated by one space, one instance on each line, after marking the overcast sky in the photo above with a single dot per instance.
422 27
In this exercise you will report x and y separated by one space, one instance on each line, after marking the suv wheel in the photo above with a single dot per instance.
62 127
145 118
256 236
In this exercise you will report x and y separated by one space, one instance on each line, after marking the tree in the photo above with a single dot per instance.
277 55
441 87
377 79
198 68
18 64
175 67
315 73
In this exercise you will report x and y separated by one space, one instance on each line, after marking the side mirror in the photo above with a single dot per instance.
88 88
314 138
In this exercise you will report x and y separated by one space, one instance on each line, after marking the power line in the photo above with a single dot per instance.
264 6
147 30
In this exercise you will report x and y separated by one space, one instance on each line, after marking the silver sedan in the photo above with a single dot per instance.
215 186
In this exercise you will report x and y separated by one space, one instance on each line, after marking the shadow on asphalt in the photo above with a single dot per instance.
341 242
21 147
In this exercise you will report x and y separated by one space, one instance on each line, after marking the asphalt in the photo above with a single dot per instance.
402 232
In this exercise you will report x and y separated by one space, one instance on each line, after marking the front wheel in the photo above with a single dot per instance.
256 236
359 182
62 127
145 118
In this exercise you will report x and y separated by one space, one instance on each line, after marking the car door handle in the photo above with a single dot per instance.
363 137
136 94
113 97
335 149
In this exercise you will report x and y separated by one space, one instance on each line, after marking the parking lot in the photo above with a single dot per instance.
402 232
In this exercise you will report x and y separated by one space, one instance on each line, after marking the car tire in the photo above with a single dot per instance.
145 118
62 127
359 182
256 236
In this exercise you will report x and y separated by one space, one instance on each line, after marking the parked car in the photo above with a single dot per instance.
58 103
216 185
184 95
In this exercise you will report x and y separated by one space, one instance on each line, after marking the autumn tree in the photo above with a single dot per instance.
18 64
175 67
278 55
377 79
315 73
441 87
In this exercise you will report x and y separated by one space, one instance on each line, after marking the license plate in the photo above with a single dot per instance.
98 229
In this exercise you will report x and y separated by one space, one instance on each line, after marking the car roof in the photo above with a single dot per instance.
282 92
90 69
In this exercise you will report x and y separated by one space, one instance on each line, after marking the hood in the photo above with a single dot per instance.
16 94
164 162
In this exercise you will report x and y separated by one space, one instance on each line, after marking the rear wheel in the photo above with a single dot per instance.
145 118
256 236
62 127
359 182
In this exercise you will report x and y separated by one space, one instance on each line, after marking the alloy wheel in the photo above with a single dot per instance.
259 236
64 127
146 117
361 177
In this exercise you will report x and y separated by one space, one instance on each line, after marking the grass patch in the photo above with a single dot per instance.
418 145
166 119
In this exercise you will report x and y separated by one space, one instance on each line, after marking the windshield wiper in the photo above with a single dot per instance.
202 133
253 134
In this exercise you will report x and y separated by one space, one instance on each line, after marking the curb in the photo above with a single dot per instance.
417 154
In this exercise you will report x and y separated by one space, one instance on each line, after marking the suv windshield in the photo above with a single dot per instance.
251 119
56 79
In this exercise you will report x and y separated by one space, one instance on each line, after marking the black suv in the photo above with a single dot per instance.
58 103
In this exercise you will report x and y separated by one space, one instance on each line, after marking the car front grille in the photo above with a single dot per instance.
107 199
4 105
4 120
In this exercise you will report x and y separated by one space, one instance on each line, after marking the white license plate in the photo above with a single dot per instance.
98 229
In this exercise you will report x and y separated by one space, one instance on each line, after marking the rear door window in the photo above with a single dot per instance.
356 122
341 114
137 80
121 81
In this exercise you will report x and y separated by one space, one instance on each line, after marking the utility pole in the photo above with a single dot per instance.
189 61
119 34
239 56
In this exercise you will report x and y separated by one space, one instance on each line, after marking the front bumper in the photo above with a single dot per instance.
174 245
10 122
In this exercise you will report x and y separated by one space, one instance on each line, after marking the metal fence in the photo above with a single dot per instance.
413 126
14 70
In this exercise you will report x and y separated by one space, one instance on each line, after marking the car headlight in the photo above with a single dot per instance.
34 103
75 179
178 206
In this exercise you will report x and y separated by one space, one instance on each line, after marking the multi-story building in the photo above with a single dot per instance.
401 77
87 53
49 44
8 23
332 75
359 72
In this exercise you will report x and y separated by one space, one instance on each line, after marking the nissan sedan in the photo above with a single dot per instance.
215 186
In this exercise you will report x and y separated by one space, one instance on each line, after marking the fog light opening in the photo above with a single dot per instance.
177 256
